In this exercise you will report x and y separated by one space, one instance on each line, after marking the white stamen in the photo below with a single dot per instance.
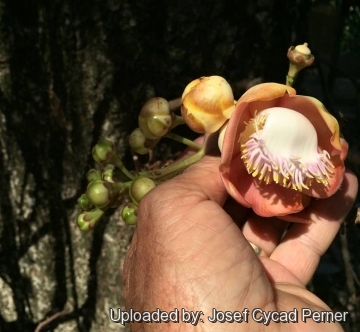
284 149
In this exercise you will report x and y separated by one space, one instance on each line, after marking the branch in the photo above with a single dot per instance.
51 318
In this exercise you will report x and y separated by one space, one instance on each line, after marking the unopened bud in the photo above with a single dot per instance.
139 143
299 58
129 214
89 219
114 175
108 175
93 175
155 118
222 132
84 202
207 103
100 193
104 152
139 188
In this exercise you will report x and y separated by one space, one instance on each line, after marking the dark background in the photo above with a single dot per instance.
73 72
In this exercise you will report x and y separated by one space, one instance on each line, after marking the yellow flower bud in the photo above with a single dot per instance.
155 118
207 103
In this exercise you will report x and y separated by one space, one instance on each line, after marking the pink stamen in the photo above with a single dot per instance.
290 172
266 152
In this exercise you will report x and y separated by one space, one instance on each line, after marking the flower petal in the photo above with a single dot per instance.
265 92
236 180
256 99
277 200
266 200
330 121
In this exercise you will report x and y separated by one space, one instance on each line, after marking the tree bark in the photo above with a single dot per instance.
71 73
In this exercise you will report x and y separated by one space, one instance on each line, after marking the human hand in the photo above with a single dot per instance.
190 250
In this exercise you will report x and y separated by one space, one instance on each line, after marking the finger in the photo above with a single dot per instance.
264 232
237 212
202 179
301 248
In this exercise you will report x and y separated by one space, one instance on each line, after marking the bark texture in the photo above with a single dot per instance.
73 72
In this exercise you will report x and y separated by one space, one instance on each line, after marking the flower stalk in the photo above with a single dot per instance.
174 169
188 142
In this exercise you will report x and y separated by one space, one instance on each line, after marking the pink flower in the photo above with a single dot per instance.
279 150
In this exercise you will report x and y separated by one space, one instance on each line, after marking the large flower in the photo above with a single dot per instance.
279 150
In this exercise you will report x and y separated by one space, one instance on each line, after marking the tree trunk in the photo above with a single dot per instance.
71 73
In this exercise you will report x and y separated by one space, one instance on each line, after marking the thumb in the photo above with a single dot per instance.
204 178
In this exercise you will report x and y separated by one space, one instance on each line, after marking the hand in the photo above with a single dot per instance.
188 252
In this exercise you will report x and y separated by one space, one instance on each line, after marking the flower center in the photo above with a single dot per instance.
281 145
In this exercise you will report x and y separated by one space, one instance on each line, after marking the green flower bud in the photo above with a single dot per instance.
129 214
88 220
114 175
84 202
104 152
155 118
139 188
100 193
108 175
93 175
139 143
103 194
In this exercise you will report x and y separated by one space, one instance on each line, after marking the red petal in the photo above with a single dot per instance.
235 178
266 200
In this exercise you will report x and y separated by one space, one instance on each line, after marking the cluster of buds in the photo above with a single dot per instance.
108 188
206 106
155 120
